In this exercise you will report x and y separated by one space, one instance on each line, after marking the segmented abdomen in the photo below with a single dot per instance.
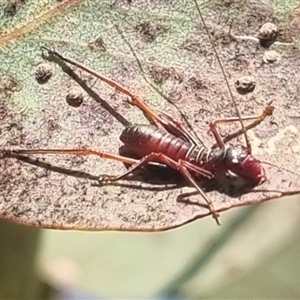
145 139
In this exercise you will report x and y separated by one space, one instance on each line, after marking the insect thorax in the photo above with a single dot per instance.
218 160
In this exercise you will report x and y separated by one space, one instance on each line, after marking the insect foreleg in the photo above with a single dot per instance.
268 111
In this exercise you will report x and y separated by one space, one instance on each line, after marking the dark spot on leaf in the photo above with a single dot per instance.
245 84
74 97
174 96
271 56
267 34
98 45
9 85
160 74
43 72
12 7
196 46
196 83
149 31
53 125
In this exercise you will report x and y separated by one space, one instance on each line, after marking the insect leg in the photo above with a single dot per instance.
112 83
268 111
182 166
88 70
154 116
85 151
157 158
171 125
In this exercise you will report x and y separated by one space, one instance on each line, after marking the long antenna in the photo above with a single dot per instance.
225 77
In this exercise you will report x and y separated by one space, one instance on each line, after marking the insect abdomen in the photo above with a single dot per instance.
145 139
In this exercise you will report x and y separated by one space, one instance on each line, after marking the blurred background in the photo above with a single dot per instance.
253 255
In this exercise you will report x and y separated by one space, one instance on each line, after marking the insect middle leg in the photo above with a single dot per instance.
169 123
184 167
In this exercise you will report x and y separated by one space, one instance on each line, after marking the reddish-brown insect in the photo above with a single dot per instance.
169 142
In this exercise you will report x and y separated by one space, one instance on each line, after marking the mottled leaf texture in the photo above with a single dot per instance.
160 51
